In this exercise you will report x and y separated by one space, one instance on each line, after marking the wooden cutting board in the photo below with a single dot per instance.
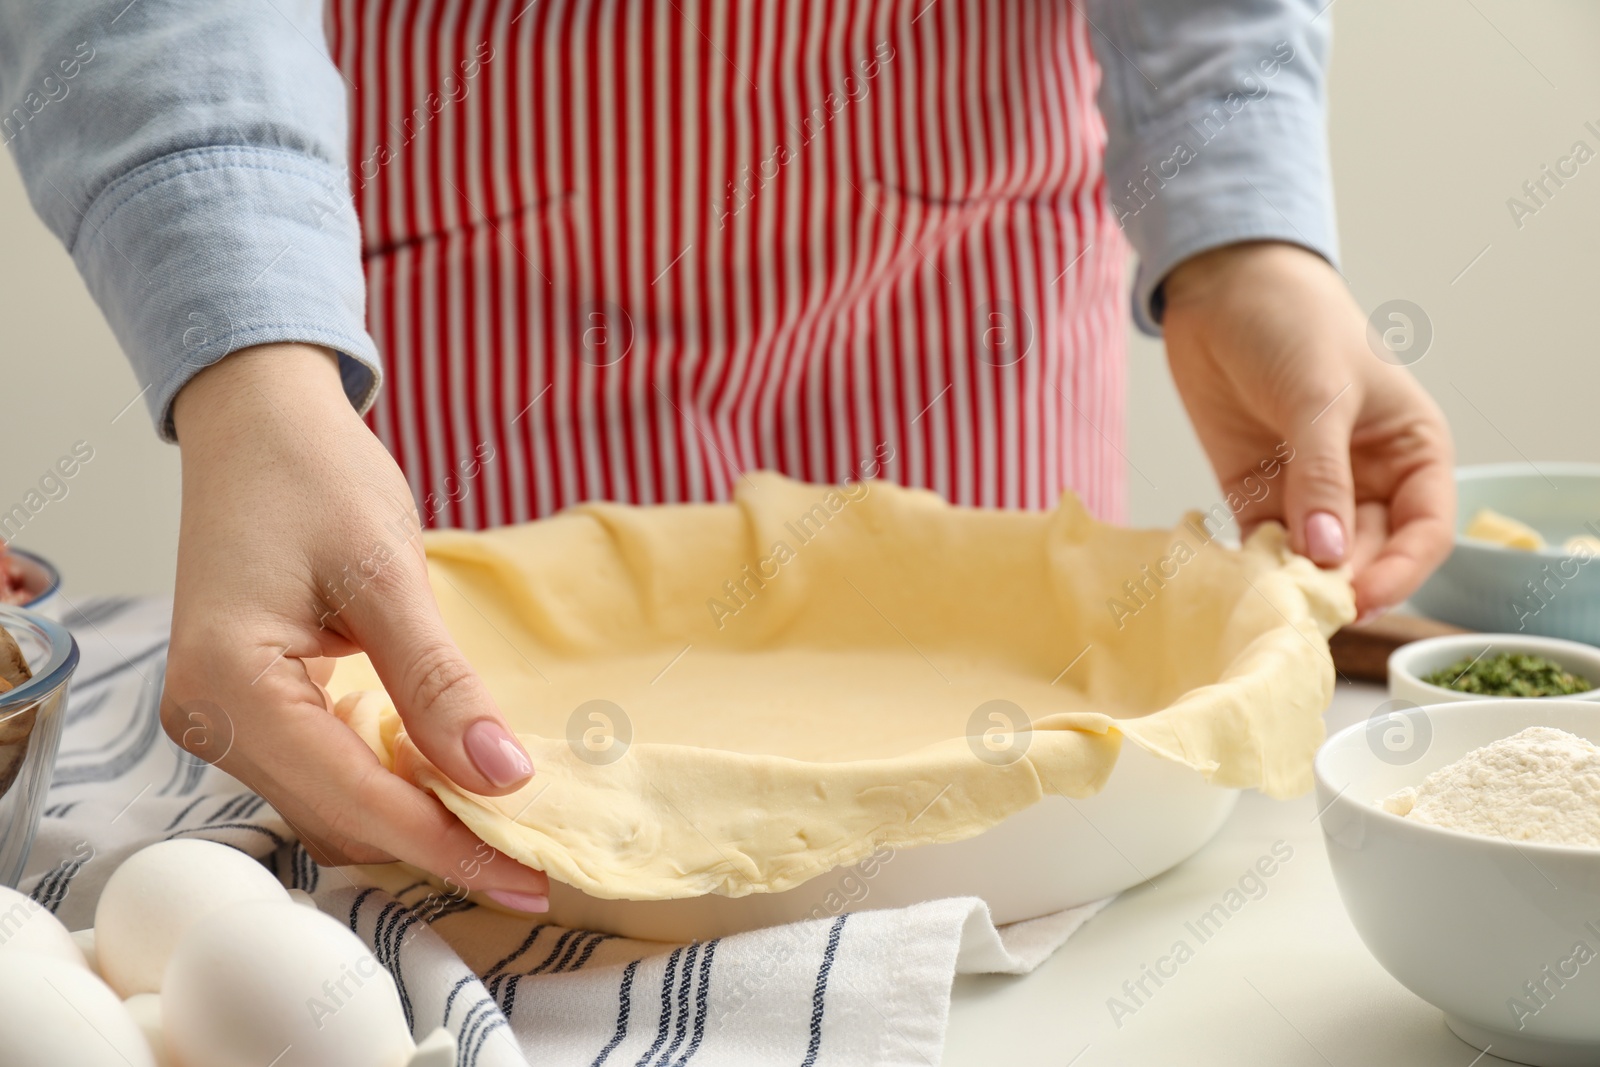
1362 652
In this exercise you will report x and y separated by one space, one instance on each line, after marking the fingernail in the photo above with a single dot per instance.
1324 537
531 903
496 754
1370 614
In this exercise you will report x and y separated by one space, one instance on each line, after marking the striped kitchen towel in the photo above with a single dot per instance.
869 987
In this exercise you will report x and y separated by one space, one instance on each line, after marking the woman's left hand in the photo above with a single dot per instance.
1268 348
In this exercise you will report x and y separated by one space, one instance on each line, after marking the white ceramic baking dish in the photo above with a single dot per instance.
1152 815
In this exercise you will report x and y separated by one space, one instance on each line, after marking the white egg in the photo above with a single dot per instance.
300 896
155 896
438 1049
84 939
277 983
145 1010
27 927
58 1013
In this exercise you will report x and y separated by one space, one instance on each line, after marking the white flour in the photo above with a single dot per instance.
1540 785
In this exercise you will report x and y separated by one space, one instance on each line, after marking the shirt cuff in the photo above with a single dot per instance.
207 251
1219 177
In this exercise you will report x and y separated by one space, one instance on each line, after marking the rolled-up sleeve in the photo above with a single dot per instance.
191 155
1216 129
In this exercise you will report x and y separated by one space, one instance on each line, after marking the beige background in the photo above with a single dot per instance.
1440 111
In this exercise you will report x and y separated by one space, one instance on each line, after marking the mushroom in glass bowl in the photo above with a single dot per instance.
29 581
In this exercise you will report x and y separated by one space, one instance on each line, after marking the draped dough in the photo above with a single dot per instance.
792 680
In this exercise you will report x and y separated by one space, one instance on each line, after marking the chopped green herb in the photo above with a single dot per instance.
1510 674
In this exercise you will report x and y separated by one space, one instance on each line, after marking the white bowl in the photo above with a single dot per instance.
1152 815
1410 663
1466 921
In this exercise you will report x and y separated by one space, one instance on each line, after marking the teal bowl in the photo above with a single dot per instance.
1550 592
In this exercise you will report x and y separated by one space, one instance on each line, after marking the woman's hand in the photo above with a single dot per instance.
300 540
1267 346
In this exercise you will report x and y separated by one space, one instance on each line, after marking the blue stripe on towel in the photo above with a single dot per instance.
821 992
97 610
701 1008
145 725
499 1023
560 944
508 984
455 991
184 814
533 935
588 950
51 890
680 1029
624 1009
82 706
572 950
666 1009
123 666
403 918
473 1036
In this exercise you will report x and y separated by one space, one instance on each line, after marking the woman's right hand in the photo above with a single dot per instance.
299 540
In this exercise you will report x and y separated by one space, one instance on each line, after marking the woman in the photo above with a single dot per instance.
629 250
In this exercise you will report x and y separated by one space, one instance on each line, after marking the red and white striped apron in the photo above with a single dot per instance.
628 249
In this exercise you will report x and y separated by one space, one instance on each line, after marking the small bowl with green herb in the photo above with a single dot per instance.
1437 670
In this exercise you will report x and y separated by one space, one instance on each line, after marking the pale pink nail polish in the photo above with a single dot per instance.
1324 538
496 754
531 903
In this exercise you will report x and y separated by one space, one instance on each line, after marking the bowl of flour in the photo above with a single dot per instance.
1469 863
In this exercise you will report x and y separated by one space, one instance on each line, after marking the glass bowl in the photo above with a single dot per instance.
30 731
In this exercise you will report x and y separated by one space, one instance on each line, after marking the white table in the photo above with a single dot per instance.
1284 981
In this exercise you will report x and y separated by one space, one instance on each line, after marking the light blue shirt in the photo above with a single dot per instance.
191 155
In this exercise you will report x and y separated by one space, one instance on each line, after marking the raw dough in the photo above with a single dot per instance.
825 711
